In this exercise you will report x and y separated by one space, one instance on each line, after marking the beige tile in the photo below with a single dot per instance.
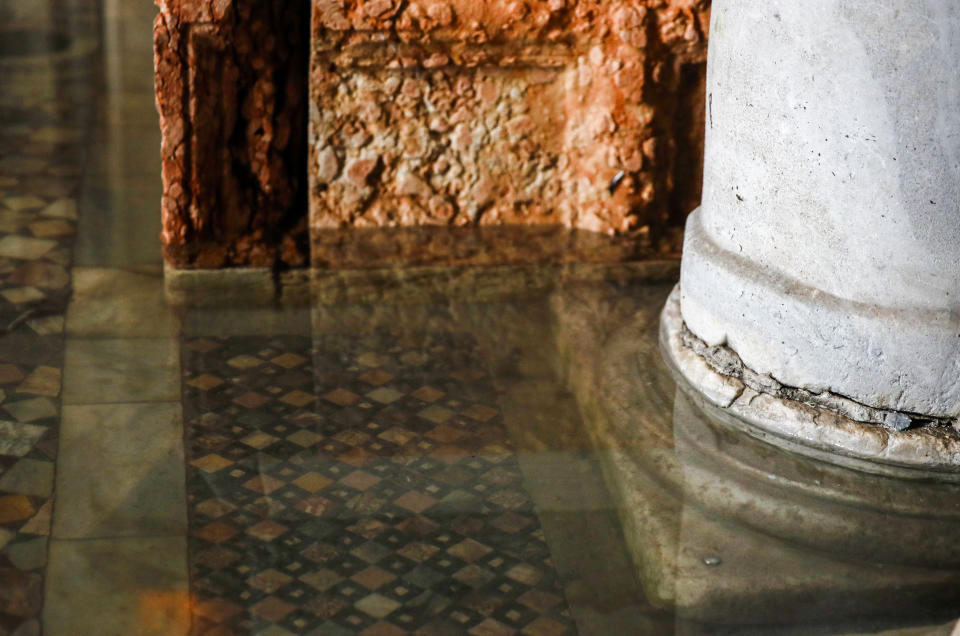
25 248
135 370
61 209
120 471
17 439
54 228
43 380
28 555
28 410
120 304
47 325
29 477
22 295
125 231
28 202
241 321
117 587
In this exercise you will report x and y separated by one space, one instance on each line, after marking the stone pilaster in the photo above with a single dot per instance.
231 92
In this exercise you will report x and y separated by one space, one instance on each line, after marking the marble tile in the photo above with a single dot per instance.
29 477
17 439
41 274
119 303
135 370
51 229
117 587
47 325
45 112
241 321
39 523
21 596
27 555
123 226
126 153
24 202
27 351
24 247
62 208
120 471
22 295
43 380
15 509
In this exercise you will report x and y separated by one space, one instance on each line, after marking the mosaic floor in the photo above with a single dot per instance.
230 471
45 112
368 488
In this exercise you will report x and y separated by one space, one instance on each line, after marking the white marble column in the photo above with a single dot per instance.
826 253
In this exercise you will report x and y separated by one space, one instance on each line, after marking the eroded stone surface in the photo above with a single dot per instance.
231 96
451 114
806 423
581 115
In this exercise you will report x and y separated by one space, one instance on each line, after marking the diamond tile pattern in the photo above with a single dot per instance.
45 112
384 497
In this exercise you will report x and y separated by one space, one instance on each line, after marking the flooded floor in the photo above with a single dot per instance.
468 451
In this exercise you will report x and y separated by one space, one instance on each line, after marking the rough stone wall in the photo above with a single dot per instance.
428 114
232 100
577 114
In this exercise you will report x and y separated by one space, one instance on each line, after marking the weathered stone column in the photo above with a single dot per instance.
823 267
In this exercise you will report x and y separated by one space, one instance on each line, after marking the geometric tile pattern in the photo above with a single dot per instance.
44 120
360 485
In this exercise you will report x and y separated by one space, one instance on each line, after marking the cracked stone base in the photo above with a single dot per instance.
926 452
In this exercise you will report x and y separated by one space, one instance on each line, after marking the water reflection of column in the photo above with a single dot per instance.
826 254
767 537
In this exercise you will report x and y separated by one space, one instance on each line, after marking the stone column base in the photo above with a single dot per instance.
730 533
821 425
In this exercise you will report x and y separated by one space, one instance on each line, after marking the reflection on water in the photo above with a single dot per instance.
478 245
524 461
25 43
734 534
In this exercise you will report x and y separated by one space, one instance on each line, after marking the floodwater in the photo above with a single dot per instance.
483 451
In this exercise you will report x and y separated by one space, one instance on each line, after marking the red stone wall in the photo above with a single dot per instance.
231 91
440 130
508 115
